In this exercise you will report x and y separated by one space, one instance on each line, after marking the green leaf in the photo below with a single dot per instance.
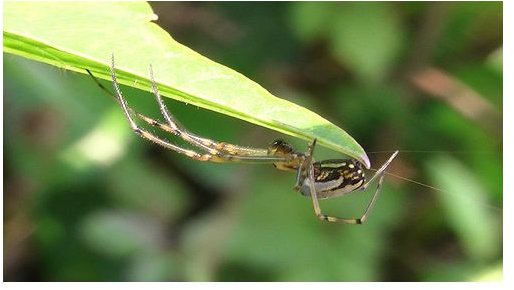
76 36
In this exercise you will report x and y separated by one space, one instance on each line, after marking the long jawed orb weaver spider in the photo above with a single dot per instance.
319 180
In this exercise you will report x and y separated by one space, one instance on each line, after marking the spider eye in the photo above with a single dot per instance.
277 142
280 147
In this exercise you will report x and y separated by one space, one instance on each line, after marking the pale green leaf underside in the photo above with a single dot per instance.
76 36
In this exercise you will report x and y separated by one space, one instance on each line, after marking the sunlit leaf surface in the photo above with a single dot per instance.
77 36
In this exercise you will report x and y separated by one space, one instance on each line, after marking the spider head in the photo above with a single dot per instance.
280 148
335 177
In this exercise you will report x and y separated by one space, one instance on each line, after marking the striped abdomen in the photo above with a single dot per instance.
335 177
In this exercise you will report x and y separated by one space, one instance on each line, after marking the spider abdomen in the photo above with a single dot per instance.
335 178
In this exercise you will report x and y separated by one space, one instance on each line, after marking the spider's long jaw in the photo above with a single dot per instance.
280 148
334 178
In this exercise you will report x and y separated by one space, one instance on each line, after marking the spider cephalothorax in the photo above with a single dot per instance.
293 159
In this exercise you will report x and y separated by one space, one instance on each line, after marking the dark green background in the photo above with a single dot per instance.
87 200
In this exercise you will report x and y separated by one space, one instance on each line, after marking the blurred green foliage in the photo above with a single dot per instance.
86 200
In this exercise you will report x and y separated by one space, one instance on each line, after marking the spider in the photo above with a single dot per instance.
319 180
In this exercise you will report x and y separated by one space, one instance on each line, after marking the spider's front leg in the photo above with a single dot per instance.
239 154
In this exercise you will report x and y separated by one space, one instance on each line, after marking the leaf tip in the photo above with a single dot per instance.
364 159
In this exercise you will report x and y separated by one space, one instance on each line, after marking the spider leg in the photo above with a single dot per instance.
176 129
300 173
299 179
214 157
380 174
147 135
315 202
380 171
208 145
317 208
220 146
